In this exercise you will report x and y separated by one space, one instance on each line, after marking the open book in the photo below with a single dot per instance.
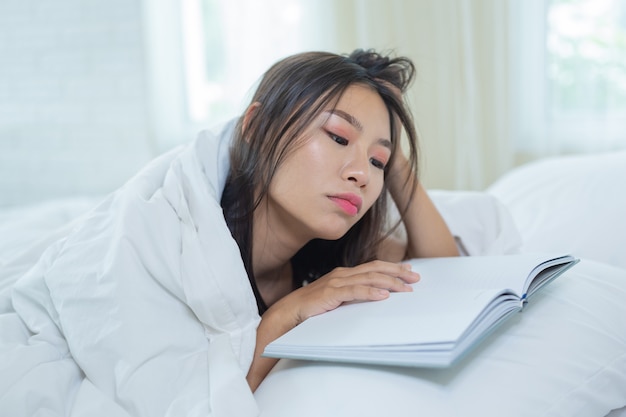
457 302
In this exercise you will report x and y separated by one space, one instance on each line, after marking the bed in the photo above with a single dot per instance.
565 357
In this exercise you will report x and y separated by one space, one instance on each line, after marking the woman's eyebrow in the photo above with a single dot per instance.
348 117
385 142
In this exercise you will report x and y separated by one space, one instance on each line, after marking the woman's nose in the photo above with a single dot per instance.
358 171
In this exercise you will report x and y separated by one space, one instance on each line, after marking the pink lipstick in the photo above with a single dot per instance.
349 203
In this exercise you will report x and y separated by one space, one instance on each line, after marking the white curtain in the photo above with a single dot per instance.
461 95
204 57
571 55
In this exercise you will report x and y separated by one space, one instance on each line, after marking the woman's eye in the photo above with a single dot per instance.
377 164
338 139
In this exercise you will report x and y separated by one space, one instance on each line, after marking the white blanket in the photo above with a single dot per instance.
144 309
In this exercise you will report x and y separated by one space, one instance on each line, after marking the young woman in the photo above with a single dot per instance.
311 164
161 299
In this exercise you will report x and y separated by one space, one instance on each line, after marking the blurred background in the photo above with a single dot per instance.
90 90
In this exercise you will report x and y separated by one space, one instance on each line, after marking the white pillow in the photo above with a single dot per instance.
564 355
574 204
481 224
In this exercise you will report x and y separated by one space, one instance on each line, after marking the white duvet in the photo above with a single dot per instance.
143 309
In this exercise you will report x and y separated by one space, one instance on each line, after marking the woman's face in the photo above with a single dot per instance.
330 180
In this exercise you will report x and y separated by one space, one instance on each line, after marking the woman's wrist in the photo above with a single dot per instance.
277 320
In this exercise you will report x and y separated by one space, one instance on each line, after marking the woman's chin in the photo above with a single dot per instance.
334 230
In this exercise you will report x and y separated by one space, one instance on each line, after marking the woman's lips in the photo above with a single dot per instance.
349 203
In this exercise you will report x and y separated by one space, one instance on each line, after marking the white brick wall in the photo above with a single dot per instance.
73 97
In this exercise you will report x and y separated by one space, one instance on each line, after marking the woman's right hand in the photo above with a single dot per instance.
370 281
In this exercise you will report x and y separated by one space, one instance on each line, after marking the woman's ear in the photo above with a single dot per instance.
252 108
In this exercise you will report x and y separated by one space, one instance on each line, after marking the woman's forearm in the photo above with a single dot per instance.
271 327
427 232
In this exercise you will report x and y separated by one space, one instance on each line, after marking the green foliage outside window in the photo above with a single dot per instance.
586 57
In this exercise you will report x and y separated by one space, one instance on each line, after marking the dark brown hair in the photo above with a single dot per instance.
292 93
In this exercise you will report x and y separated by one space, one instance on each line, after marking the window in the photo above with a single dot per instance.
205 56
229 44
569 59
